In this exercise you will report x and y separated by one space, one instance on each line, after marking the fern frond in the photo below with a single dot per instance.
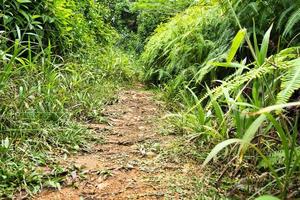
282 19
240 80
206 69
290 82
276 158
281 61
293 20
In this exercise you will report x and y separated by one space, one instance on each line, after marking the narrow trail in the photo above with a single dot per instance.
132 162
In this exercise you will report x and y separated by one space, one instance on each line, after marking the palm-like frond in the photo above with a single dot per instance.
239 80
290 82
293 20
286 60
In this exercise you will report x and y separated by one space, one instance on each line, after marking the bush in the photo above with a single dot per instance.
283 14
58 67
152 13
238 98
186 43
67 25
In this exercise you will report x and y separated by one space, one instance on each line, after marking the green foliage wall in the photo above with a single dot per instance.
240 93
68 25
186 43
284 14
120 16
151 13
58 67
194 38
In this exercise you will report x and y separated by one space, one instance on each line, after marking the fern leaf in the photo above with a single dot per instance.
283 15
290 82
293 20
281 61
240 80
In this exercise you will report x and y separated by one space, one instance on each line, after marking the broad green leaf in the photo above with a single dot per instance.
236 43
265 46
230 65
267 197
218 148
276 107
250 133
24 1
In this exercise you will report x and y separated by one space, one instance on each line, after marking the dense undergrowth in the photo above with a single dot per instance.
229 69
59 66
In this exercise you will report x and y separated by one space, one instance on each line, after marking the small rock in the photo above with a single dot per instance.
151 154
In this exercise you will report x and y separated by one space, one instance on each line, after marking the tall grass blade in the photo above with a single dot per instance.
219 147
265 46
236 43
249 135
267 197
275 108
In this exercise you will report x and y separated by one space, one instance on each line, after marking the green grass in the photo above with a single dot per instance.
45 103
59 67
235 97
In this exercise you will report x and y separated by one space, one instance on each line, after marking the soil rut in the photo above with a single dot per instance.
129 164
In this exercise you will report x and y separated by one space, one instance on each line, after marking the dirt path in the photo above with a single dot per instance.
133 162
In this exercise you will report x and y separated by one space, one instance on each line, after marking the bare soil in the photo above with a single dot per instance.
132 162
